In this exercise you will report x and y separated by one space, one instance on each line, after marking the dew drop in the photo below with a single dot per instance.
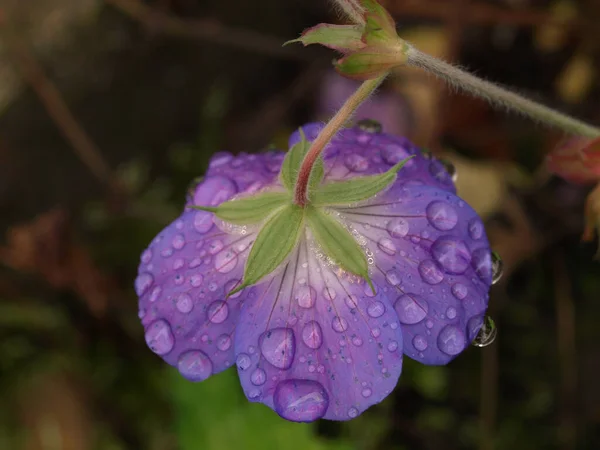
217 312
339 324
329 293
452 254
159 337
203 221
312 335
497 267
300 400
356 163
476 228
393 154
357 341
278 346
451 313
441 215
387 246
231 285
243 361
215 247
155 294
195 365
306 296
484 330
351 301
369 126
142 283
376 309
420 343
196 280
392 346
460 291
146 256
366 393
451 340
411 309
482 263
224 342
430 272
398 228
392 277
178 263
375 332
184 303
226 261
258 377
178 242
352 412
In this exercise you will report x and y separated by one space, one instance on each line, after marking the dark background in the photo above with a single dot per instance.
109 110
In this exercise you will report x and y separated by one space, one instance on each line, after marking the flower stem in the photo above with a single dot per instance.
497 95
327 133
353 10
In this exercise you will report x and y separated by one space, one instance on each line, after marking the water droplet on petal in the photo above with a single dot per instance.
300 400
195 365
366 393
387 246
351 301
226 261
497 267
142 283
184 303
451 340
482 263
243 361
452 254
215 247
146 256
392 277
352 412
306 296
231 285
217 312
357 341
155 294
393 154
441 215
392 346
329 293
356 163
450 169
460 291
398 228
224 342
420 343
451 313
376 309
430 272
196 280
178 242
485 330
203 221
339 324
475 228
278 346
312 335
258 377
375 332
159 337
411 308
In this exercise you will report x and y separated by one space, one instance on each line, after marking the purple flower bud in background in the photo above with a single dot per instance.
310 340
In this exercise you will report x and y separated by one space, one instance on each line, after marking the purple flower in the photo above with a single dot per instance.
312 341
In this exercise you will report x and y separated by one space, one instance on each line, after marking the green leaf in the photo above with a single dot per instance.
275 241
355 190
343 38
292 162
338 243
249 210
369 62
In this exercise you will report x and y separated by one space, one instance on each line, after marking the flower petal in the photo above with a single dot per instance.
311 344
430 252
182 282
356 152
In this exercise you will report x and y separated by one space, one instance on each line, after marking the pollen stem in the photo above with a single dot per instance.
498 96
328 132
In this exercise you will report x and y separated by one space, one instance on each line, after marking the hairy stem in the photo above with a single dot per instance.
497 95
327 133
353 10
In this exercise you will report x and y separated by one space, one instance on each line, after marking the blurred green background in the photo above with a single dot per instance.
110 109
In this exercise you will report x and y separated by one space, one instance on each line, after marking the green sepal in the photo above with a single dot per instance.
379 23
292 162
343 38
275 241
369 63
356 190
338 243
316 176
248 210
